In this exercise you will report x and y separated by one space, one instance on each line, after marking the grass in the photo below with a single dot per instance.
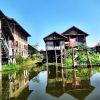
24 64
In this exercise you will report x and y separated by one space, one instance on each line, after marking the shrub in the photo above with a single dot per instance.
95 58
9 67
82 59
19 59
68 62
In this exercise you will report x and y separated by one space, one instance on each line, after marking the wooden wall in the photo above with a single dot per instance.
20 43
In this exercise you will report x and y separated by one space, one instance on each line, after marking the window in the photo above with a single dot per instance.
56 43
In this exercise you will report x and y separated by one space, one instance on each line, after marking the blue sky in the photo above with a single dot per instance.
42 17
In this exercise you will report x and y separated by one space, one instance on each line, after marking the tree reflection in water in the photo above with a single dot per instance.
75 82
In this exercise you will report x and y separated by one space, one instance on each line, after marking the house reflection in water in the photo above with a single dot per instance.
55 82
70 82
13 84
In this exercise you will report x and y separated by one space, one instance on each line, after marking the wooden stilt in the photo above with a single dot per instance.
0 49
74 76
88 59
56 64
61 57
61 54
90 73
0 58
56 59
46 57
73 57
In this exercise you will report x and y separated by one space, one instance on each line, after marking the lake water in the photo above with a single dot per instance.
63 84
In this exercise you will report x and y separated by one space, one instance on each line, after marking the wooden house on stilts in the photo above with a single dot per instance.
75 33
55 48
13 40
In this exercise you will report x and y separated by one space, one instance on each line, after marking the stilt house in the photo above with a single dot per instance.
13 39
55 47
75 33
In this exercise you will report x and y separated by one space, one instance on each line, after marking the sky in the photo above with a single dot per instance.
42 17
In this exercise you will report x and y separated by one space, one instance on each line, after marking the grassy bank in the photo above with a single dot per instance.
22 64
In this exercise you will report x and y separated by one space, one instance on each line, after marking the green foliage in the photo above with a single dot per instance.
96 69
68 62
32 57
82 59
82 47
21 64
95 58
19 59
69 73
9 67
83 72
83 53
68 52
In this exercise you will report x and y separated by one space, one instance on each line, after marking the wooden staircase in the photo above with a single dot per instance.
4 49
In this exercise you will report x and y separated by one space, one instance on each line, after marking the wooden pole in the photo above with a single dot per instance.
61 54
90 73
73 57
0 49
46 56
56 63
88 58
56 58
74 76
87 53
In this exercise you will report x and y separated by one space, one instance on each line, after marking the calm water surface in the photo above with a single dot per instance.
64 84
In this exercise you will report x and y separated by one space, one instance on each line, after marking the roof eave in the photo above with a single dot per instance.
26 33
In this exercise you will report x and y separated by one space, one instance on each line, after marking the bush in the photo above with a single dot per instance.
95 59
68 62
19 59
9 67
82 59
